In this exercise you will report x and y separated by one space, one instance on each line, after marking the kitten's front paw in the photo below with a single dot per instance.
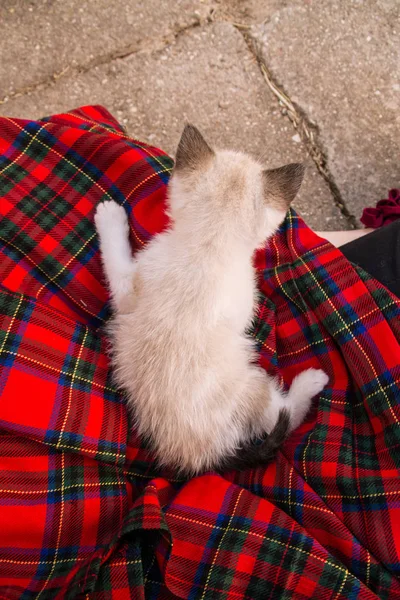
110 216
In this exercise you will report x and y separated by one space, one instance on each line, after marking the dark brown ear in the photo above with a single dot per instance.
193 151
281 185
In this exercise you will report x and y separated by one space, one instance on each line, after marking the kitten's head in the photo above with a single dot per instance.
228 194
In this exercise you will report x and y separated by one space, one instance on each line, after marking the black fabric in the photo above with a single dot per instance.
378 253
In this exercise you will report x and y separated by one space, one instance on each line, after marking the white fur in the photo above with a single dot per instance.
119 266
182 308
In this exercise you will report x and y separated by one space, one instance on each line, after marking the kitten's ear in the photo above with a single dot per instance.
193 151
281 185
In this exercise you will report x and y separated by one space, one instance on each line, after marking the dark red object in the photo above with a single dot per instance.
385 212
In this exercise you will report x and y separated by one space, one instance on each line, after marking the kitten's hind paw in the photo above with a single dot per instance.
305 386
309 383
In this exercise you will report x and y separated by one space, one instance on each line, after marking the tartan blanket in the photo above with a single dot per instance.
83 512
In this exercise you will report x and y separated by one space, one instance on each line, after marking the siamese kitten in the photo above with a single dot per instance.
182 308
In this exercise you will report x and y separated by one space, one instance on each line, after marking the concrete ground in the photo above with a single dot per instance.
288 80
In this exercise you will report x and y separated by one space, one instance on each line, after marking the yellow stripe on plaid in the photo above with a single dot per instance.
33 137
220 544
64 291
345 325
72 486
10 325
262 537
142 145
276 273
74 257
60 371
62 504
54 151
39 562
71 387
134 190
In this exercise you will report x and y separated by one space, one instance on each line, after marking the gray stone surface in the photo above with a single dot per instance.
249 12
41 38
206 75
339 60
156 64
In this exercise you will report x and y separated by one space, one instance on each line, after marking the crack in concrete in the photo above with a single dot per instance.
307 131
150 45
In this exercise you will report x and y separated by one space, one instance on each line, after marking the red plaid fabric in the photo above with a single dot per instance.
83 512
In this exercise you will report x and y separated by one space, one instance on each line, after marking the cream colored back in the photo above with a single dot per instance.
183 305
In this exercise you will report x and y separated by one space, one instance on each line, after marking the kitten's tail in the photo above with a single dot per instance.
254 455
